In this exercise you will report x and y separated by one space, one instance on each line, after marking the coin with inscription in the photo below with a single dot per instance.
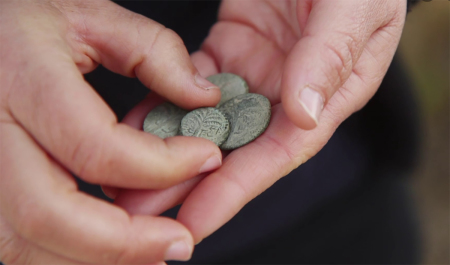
230 86
164 120
249 116
208 123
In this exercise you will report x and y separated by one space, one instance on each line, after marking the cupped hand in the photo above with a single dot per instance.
53 123
318 61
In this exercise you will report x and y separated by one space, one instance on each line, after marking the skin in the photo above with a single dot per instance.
340 49
53 123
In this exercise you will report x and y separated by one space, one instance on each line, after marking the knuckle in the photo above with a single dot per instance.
340 108
341 55
167 48
170 39
166 39
88 158
80 158
127 251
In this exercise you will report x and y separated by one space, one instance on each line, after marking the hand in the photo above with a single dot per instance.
317 61
53 122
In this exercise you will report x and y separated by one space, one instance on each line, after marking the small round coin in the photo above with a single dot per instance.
249 116
230 86
208 123
164 120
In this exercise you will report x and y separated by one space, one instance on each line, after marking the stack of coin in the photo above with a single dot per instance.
239 117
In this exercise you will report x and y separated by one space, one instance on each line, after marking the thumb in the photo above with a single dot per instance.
332 41
135 46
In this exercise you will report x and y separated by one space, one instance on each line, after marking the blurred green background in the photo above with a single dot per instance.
424 48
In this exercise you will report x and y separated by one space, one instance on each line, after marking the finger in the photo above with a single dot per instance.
322 60
16 250
135 118
77 127
204 63
247 172
133 45
110 192
155 202
242 50
251 169
40 201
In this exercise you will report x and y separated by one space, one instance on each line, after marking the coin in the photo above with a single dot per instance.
230 86
164 120
208 123
249 116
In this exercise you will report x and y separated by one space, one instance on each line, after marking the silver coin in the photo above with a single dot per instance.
164 120
230 86
208 123
249 116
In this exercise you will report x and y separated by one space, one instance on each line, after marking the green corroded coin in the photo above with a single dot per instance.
208 123
230 85
249 116
164 120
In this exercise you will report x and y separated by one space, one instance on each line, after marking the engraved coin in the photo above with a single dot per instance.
164 120
249 116
208 123
230 86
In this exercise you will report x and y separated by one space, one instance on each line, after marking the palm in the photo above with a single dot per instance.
256 49
254 39
253 48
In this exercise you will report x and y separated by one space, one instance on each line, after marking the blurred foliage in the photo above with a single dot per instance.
425 50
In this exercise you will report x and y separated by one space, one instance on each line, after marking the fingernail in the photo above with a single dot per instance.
179 250
112 194
312 102
203 83
211 164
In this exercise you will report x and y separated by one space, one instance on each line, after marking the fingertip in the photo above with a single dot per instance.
194 145
204 63
110 192
201 94
188 92
179 250
165 238
203 83
212 163
303 107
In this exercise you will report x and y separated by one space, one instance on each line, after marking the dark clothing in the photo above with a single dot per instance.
348 204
